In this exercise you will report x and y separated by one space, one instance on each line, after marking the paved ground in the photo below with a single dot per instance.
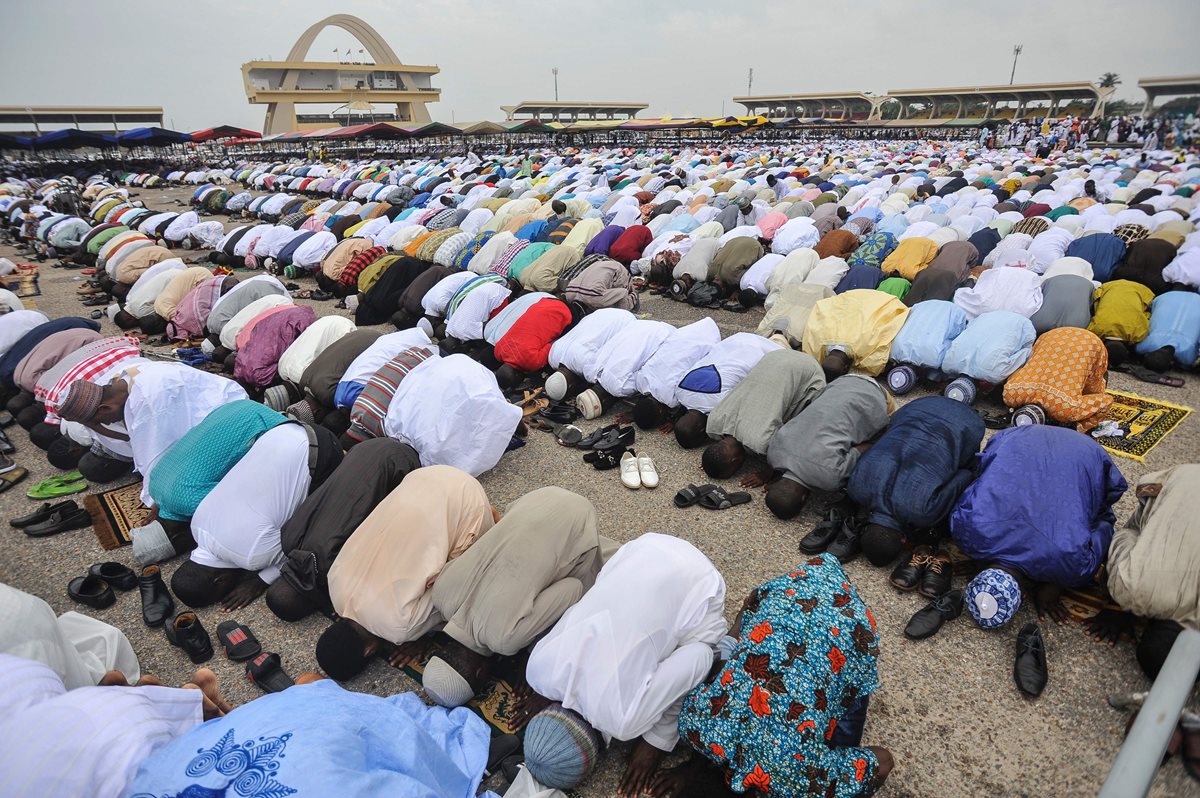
947 706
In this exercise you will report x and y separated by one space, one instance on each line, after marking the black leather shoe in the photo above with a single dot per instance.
822 535
936 580
6 446
92 591
157 604
42 513
929 619
1029 669
60 521
846 546
115 574
188 633
908 574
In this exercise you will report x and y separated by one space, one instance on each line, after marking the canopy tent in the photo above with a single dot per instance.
11 142
72 139
224 132
151 137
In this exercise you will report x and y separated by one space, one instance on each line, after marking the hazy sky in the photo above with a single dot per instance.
682 58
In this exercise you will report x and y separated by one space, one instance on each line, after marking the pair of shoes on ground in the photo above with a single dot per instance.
1029 666
51 519
838 535
54 487
95 589
710 497
638 471
927 571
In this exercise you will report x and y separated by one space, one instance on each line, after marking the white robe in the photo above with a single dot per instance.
1018 290
140 300
385 347
233 328
14 325
437 298
310 343
731 360
266 486
659 376
576 350
620 359
165 401
473 312
78 648
453 413
83 743
642 637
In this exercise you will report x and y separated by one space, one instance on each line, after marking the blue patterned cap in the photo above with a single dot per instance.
993 598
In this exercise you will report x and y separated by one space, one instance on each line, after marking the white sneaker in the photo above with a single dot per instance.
630 473
647 473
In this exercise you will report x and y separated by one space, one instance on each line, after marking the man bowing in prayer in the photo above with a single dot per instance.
380 584
511 586
619 662
159 403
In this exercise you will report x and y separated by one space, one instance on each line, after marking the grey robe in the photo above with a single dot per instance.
779 386
516 581
1066 302
816 448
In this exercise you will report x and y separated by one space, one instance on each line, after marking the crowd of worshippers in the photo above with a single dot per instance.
355 472
1069 132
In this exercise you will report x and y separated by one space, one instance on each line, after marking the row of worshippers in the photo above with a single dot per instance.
790 679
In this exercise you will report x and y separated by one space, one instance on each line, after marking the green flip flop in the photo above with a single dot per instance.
63 485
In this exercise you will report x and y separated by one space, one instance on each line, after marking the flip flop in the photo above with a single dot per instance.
12 477
689 496
266 671
238 641
718 499
62 485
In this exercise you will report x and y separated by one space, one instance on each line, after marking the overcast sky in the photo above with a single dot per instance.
683 59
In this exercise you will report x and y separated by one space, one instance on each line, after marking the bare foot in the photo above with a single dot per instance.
206 680
149 680
1109 626
641 770
308 678
209 710
113 679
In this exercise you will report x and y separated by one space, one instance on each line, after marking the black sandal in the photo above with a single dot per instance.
718 499
689 496
266 671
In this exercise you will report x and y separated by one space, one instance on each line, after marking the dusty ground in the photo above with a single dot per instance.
947 707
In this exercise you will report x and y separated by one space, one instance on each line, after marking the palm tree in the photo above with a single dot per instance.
1109 80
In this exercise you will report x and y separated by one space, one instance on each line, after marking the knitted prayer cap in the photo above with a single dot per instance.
561 749
82 402
993 598
444 685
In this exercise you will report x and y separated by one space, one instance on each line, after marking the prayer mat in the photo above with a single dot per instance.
1145 423
23 282
495 703
115 512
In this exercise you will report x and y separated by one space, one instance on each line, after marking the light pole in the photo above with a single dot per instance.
1016 54
750 82
554 71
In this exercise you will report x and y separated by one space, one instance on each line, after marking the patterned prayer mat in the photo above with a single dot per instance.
498 699
115 512
1145 423
23 282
